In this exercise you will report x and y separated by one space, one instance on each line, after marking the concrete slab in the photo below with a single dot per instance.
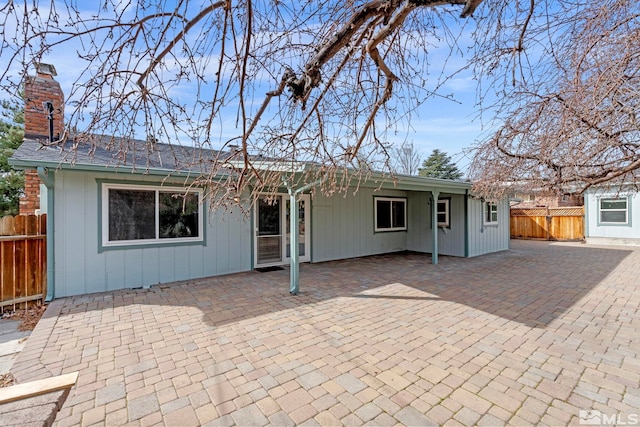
12 341
33 411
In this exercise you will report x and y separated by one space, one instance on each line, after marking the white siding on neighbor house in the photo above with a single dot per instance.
80 267
484 239
420 237
343 227
621 232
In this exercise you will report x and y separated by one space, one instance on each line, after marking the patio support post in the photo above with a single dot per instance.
434 225
294 246
294 285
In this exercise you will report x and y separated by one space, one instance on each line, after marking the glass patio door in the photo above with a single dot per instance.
269 231
273 230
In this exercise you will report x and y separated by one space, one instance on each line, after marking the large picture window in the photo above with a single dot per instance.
133 215
390 214
490 213
614 211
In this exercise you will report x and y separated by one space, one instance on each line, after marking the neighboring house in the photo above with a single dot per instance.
612 215
530 199
116 220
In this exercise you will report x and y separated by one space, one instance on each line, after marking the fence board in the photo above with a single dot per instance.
548 223
22 258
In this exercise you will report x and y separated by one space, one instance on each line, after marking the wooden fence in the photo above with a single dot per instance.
548 223
23 259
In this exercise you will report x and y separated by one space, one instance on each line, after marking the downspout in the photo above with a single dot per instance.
294 273
46 176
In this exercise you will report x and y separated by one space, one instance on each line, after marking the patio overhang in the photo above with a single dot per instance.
294 180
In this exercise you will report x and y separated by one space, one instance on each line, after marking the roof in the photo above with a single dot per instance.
107 152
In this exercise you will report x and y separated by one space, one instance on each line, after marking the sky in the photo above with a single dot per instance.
450 125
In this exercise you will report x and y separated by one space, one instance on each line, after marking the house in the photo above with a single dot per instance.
612 215
126 220
529 199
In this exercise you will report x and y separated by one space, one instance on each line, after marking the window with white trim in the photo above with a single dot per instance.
140 214
390 214
614 211
443 213
490 213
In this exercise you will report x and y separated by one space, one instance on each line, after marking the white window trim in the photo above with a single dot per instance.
625 210
157 241
446 203
392 200
485 208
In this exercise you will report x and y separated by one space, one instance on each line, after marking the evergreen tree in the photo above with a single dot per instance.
439 165
11 135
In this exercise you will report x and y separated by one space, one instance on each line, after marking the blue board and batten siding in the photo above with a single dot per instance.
341 227
344 227
81 268
420 236
484 239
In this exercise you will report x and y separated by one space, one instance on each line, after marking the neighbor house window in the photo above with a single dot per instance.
614 211
390 214
133 215
443 213
490 213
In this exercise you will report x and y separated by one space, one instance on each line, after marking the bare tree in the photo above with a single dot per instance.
323 82
576 124
406 159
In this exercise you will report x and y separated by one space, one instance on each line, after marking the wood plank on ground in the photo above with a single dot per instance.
38 387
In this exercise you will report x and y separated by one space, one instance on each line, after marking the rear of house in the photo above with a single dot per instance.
115 224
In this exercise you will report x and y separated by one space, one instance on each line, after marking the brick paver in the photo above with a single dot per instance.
532 335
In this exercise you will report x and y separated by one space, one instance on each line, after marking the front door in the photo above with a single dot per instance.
273 231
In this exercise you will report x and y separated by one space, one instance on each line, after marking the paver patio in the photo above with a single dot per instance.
528 336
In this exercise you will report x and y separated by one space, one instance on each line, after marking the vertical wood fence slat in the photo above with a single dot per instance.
23 263
548 223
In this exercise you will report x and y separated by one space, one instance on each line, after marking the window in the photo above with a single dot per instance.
490 213
134 215
443 213
390 214
614 211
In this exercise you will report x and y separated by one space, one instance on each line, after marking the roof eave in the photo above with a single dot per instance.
30 164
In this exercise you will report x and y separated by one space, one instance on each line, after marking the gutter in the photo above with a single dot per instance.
47 178
122 169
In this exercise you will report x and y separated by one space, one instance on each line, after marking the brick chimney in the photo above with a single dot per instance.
43 98
30 200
